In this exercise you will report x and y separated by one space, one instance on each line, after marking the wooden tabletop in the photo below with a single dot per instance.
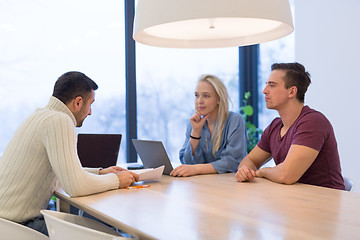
218 207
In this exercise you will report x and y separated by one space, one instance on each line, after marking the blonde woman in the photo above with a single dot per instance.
216 138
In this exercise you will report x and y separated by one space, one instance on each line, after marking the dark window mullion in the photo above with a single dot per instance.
130 71
248 78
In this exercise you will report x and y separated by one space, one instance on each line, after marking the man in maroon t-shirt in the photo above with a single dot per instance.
301 142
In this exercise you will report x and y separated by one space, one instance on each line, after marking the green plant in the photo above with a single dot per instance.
253 132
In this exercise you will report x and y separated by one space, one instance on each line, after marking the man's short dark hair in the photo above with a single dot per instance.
295 75
73 84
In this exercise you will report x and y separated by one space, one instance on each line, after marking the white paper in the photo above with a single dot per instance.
149 173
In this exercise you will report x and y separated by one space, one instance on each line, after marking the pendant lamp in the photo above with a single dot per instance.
210 23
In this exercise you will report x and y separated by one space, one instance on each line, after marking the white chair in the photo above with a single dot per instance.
348 184
14 231
69 226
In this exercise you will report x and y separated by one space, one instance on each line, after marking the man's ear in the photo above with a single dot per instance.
293 92
77 103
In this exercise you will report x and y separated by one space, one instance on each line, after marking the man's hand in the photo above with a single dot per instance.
244 174
184 171
127 178
260 172
112 169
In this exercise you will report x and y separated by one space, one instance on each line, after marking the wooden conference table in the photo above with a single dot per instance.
217 207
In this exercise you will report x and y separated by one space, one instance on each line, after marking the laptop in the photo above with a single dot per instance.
153 154
98 150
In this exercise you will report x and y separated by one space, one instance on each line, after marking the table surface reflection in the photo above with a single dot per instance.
218 207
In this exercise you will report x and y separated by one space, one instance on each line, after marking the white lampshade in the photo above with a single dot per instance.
211 23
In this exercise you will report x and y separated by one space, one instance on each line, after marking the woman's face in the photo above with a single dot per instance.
206 99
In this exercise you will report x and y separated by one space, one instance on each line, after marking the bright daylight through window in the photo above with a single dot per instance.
40 40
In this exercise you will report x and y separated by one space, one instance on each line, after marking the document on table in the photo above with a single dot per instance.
149 173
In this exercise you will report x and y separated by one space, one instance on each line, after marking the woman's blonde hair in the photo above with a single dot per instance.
223 109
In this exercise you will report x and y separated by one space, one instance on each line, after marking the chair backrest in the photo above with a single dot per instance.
14 231
69 226
348 184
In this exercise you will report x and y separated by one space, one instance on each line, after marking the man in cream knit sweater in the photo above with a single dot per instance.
43 152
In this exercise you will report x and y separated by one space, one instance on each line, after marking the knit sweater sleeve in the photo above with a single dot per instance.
59 139
92 170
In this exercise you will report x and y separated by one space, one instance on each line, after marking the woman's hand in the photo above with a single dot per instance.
197 123
184 171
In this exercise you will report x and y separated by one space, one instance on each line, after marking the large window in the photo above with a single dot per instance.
166 81
40 40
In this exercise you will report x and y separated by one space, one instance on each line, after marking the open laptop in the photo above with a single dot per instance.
153 154
98 150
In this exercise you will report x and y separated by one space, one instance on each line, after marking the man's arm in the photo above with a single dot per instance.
297 161
253 161
59 139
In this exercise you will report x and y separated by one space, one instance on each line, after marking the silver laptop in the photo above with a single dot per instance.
153 154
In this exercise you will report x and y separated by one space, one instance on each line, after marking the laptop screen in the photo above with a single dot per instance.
98 150
153 154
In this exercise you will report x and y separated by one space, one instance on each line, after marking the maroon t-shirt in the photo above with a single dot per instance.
311 129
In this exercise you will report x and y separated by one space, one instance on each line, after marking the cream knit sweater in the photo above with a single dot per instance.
42 152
